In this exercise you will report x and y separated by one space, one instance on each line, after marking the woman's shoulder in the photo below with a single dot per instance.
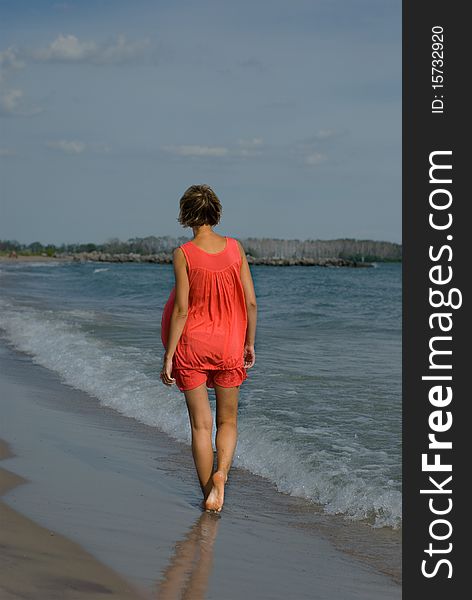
196 256
239 245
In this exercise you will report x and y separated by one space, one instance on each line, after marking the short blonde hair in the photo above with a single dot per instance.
199 206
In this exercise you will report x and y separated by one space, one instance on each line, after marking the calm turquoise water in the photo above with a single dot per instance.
320 413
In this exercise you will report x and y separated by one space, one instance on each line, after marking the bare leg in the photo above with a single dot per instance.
226 439
201 423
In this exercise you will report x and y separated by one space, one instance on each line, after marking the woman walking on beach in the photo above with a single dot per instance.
208 331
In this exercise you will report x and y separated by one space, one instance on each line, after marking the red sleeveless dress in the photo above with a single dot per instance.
211 347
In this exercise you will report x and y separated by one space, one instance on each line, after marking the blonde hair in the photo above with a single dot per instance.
199 206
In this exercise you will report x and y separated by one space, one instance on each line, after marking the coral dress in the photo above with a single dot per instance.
215 330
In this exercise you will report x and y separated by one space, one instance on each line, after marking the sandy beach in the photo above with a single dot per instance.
40 563
97 503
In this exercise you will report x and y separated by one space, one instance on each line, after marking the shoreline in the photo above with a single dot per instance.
38 562
164 259
127 492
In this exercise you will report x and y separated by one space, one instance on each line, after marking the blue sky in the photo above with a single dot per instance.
109 110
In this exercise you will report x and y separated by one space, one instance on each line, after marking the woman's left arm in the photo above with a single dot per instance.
179 314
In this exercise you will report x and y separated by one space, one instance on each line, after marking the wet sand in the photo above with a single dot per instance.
122 500
40 563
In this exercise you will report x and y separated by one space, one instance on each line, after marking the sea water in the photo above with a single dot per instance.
320 412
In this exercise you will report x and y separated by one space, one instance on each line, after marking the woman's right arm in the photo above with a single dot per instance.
251 307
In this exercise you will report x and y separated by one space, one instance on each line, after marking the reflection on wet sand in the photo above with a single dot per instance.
186 577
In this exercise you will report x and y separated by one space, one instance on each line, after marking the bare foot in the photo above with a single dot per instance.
216 496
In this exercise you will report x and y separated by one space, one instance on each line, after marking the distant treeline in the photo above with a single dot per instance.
356 250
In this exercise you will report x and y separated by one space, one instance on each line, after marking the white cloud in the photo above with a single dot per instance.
311 150
315 159
322 136
189 150
68 48
12 103
9 60
244 148
67 146
124 51
249 153
254 142
65 48
325 134
75 147
11 100
250 148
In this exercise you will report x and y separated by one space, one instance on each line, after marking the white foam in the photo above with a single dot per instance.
96 367
38 263
331 483
77 313
115 376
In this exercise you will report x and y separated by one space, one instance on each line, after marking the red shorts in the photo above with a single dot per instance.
187 379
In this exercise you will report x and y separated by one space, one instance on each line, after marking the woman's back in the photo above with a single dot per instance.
215 329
